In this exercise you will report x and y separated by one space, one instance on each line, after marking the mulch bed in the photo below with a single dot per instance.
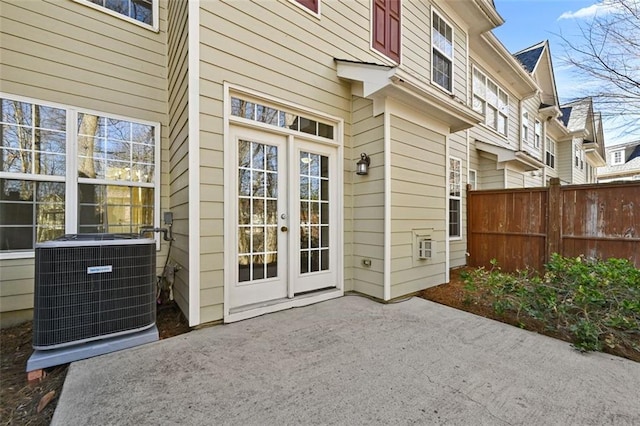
19 400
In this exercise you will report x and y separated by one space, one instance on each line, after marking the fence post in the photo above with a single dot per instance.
554 219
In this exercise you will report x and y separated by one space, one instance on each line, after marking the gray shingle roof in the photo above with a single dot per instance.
566 113
575 114
530 56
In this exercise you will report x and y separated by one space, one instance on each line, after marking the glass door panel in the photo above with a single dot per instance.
260 211
257 211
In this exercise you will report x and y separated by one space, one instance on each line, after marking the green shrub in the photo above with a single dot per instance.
596 301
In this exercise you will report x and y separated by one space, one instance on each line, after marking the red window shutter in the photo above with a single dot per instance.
310 4
386 28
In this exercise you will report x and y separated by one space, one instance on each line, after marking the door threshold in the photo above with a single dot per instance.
257 309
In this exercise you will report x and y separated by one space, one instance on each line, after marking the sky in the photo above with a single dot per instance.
528 22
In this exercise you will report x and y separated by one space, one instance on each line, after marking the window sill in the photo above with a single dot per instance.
17 255
495 132
455 238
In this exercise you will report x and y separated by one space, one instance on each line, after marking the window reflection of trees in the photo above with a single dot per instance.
140 10
257 210
314 212
34 141
33 144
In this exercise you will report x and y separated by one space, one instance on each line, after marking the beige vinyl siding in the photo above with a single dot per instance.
64 52
368 201
564 160
579 175
515 178
531 181
488 176
178 67
458 246
16 286
418 205
416 39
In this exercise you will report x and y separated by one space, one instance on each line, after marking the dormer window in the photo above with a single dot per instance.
617 158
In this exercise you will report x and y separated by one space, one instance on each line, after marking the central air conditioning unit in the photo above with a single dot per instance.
93 286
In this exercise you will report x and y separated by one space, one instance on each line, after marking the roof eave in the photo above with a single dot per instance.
379 82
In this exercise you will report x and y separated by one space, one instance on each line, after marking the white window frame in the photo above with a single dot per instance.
525 126
434 48
451 189
71 179
617 157
576 156
501 108
154 9
473 181
537 133
550 152
307 10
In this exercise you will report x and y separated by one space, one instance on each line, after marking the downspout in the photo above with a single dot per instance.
387 205
194 161
447 248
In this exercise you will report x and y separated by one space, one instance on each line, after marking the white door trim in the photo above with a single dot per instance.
249 311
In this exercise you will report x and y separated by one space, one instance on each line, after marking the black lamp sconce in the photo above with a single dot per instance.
362 166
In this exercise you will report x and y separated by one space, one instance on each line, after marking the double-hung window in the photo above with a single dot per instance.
455 197
550 153
386 28
138 11
491 101
65 170
576 155
525 126
442 53
537 137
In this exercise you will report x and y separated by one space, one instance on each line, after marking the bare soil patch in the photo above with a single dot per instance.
19 400
453 294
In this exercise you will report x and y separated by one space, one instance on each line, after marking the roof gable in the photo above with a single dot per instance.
537 61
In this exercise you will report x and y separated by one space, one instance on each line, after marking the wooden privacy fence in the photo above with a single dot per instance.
522 227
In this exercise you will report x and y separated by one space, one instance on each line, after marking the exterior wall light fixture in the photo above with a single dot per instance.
362 166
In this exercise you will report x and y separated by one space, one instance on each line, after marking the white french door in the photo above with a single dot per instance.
285 240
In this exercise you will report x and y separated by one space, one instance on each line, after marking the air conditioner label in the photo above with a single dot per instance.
99 269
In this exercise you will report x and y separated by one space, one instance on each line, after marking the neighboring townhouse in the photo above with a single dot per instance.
499 157
585 146
84 129
623 163
528 137
304 147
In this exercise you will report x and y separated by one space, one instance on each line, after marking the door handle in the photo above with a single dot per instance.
284 229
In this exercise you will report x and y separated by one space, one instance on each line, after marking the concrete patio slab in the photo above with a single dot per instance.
354 361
